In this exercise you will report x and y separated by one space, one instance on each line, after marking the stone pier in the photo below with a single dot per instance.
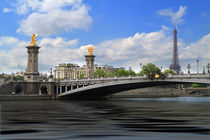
89 66
32 73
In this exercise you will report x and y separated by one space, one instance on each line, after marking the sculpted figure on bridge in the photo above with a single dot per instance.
90 50
33 40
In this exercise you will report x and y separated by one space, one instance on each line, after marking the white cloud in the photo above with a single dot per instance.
11 53
52 52
51 17
6 10
163 27
142 47
154 47
200 49
197 50
176 17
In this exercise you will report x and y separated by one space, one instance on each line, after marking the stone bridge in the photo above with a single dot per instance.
95 88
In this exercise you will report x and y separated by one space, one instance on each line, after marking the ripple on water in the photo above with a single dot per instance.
109 119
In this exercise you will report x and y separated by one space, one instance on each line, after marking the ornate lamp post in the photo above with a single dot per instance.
197 66
188 67
20 68
140 66
51 75
208 67
130 71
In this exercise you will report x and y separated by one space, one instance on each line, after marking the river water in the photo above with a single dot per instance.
186 118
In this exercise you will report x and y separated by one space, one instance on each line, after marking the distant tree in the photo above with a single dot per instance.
122 72
194 85
109 75
199 85
99 73
132 73
82 76
18 77
150 69
8 77
167 72
139 74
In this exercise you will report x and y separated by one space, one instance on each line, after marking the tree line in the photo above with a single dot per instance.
147 69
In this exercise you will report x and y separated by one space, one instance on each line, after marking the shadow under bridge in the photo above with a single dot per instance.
107 88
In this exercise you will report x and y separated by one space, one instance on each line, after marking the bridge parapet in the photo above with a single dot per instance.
189 75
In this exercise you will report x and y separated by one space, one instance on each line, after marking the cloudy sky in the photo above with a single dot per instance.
124 32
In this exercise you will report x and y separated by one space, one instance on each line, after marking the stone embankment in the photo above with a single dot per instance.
162 92
1 81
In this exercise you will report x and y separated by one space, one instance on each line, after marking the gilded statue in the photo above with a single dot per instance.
90 50
33 40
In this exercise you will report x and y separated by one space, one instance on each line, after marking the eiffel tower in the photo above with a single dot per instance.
175 59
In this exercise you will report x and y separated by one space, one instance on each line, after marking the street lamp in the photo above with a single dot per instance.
140 66
20 68
51 76
188 67
197 66
208 67
130 71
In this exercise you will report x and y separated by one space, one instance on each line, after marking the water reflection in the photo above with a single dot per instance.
157 118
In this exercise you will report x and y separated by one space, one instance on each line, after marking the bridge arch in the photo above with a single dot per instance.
18 89
44 90
105 87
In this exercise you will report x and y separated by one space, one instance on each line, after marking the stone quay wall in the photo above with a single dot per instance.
27 90
162 92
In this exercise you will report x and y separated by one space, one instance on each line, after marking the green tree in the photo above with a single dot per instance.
18 77
81 76
8 77
149 69
194 85
132 73
109 75
99 73
141 73
122 72
167 72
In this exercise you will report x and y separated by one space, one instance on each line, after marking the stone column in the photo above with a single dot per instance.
89 66
60 89
57 87
66 88
32 73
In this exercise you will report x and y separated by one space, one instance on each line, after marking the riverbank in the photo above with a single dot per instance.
162 92
24 97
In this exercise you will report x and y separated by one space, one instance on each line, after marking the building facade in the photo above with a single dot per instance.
106 68
74 71
68 71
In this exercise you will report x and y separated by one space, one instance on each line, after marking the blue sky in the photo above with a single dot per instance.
124 32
